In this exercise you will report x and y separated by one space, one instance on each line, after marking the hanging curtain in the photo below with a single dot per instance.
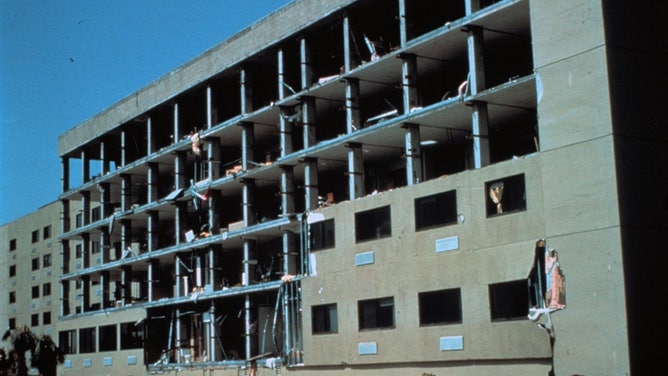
496 194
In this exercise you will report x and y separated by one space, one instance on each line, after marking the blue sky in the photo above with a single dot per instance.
62 62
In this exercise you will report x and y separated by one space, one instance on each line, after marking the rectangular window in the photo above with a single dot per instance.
509 300
78 220
35 236
46 260
12 270
440 307
507 195
86 340
78 250
77 284
322 235
108 338
436 210
34 319
131 336
12 323
46 232
376 313
35 263
373 224
67 341
95 214
12 245
94 247
325 319
46 318
46 289
12 297
35 292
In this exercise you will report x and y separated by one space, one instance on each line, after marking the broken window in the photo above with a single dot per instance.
12 245
107 340
440 307
131 336
376 313
546 282
35 236
324 319
505 196
322 235
509 300
436 210
86 340
373 224
67 341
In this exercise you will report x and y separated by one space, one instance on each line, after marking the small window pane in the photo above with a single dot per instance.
509 300
436 210
87 340
35 292
12 245
12 270
325 319
46 232
34 319
46 318
373 224
322 235
376 313
35 263
440 307
35 236
46 260
107 338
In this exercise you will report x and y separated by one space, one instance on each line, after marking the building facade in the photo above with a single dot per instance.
378 187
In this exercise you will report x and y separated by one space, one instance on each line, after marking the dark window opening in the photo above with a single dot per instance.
35 263
12 245
46 260
322 235
325 319
376 313
46 318
12 323
509 300
35 292
34 319
46 232
12 270
12 297
35 236
131 336
507 195
107 340
67 341
95 214
86 340
94 247
78 250
440 307
46 289
373 224
436 210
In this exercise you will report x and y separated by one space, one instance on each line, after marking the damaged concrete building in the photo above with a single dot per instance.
396 187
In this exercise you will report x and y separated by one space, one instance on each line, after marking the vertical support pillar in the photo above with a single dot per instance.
248 202
249 275
85 250
288 208
180 211
126 235
311 183
247 145
211 263
347 51
409 81
209 107
124 148
213 156
285 131
177 273
66 224
308 121
85 208
281 75
151 146
104 289
126 192
176 128
355 171
85 293
403 24
413 154
104 159
152 177
212 333
471 6
65 174
153 266
85 167
353 120
214 208
306 63
246 87
65 297
153 231
480 119
126 281
105 200
179 170
105 244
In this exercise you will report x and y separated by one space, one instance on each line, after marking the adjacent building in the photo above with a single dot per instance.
367 187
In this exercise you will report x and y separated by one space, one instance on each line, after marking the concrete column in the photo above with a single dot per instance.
153 175
65 255
177 272
180 212
355 171
403 25
247 145
311 183
85 208
289 253
153 266
249 276
281 75
214 218
413 154
105 200
180 170
85 167
308 121
176 128
211 348
471 6
347 51
248 202
85 250
85 293
246 82
126 235
66 223
124 157
105 244
65 297
104 159
285 132
126 281
287 190
126 192
353 120
209 108
65 174
214 156
409 81
104 289
153 231
306 63
151 145
480 119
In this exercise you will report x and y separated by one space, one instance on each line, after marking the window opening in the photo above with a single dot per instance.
373 224
325 319
505 196
107 340
376 313
12 245
35 236
12 270
46 289
86 340
35 292
322 235
46 260
46 318
131 336
67 341
509 300
35 263
436 210
34 319
440 307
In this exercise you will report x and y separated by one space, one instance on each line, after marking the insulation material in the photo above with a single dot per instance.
496 194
